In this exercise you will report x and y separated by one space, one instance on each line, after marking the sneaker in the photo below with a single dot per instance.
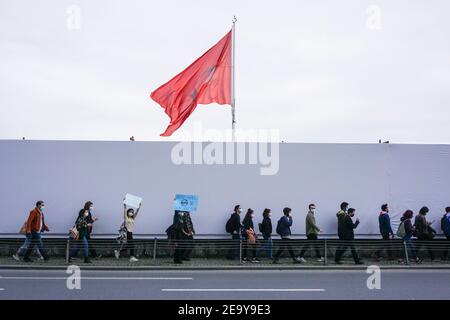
117 254
41 258
16 257
302 260
255 260
134 259
321 259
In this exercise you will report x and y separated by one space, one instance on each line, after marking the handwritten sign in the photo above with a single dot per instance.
132 201
185 202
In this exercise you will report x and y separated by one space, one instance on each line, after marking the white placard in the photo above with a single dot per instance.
132 201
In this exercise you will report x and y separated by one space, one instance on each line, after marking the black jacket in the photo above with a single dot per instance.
266 227
408 226
236 223
347 228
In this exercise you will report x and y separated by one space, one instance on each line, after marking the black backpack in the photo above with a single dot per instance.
229 226
171 232
279 226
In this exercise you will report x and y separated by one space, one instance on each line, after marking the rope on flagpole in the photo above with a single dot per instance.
233 101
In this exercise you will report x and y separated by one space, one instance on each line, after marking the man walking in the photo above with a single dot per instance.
386 232
36 225
348 236
284 230
312 231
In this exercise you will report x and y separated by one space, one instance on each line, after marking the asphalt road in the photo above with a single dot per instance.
235 285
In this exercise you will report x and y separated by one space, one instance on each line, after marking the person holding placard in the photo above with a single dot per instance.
129 217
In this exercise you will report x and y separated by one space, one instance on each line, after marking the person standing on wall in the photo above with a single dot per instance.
445 226
35 226
234 227
129 217
423 231
89 206
82 224
284 230
250 237
386 232
265 227
188 235
348 235
312 230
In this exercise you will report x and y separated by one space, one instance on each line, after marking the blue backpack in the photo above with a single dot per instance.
445 225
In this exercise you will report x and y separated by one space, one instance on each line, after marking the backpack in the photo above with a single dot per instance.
401 230
171 232
445 225
229 226
279 226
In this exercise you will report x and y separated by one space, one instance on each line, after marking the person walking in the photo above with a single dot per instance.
424 232
188 235
129 217
82 224
178 229
250 238
341 214
35 226
445 226
348 235
284 230
405 231
312 231
90 219
384 223
25 245
265 227
234 227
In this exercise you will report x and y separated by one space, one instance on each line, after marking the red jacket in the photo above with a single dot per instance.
34 221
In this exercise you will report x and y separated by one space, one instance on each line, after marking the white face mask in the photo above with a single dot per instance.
313 209
42 208
90 208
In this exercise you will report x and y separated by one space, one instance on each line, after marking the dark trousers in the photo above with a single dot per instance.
248 248
36 241
233 251
447 249
285 245
343 247
188 246
311 237
92 251
179 250
425 242
129 245
385 246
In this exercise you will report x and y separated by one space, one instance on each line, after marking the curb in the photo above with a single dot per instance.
222 268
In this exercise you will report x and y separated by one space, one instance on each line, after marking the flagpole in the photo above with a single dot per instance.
233 101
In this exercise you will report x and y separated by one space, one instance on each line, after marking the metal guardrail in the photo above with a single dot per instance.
156 247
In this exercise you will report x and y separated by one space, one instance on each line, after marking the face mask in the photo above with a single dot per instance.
42 208
130 214
252 216
313 209
90 208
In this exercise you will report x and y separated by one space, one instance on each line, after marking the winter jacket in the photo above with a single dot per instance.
266 227
408 226
347 228
384 222
285 226
340 219
421 226
311 226
236 223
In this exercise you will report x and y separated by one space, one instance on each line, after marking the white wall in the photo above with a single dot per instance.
67 173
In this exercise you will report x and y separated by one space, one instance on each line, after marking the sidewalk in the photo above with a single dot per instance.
147 263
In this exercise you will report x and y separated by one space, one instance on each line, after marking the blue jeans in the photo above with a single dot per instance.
35 240
409 246
25 246
74 251
266 246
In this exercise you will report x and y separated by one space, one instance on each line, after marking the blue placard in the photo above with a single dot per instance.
184 202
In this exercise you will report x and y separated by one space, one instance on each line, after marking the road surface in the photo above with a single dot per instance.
235 285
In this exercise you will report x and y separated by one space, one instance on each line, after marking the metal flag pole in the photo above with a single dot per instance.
233 101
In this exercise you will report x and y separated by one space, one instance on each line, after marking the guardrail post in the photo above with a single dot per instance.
406 251
325 252
67 250
154 248
240 250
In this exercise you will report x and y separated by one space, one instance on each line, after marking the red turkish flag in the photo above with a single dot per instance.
206 80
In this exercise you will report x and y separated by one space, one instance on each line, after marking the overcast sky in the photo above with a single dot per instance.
319 71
